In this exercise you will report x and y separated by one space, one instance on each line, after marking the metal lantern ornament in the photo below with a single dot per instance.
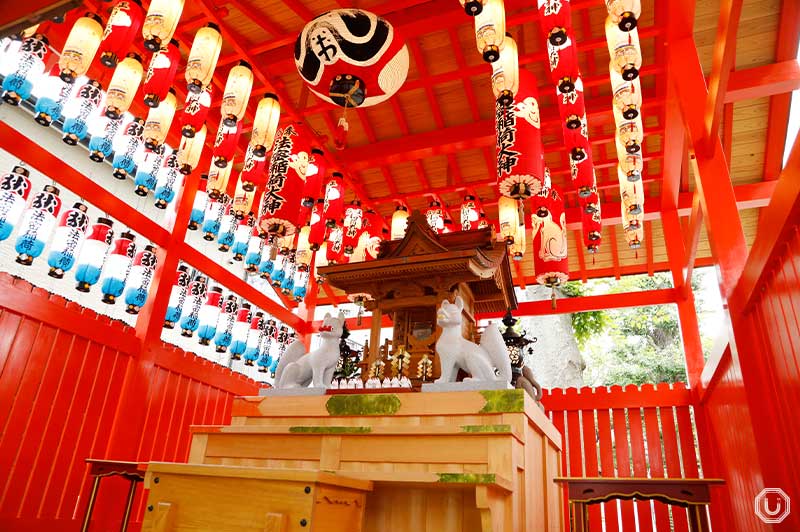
399 222
280 204
520 157
93 254
265 124
37 225
128 149
490 30
195 112
123 85
139 279
67 240
199 204
80 48
14 190
51 93
225 143
237 93
177 297
351 58
160 23
203 57
161 73
190 150
78 110
518 345
196 295
117 266
123 26
505 73
209 315
159 119
102 132
223 336
28 69
549 229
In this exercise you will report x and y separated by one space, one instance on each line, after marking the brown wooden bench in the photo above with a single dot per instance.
691 493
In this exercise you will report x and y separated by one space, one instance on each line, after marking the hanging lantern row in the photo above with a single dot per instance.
555 20
198 307
626 60
74 242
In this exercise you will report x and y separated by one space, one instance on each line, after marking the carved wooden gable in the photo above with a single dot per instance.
419 240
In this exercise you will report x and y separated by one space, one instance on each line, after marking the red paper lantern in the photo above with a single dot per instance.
563 61
334 199
280 205
317 167
161 73
335 251
591 222
225 143
549 225
351 57
254 171
572 106
555 17
374 233
195 111
122 28
434 214
470 213
583 176
316 236
520 158
353 226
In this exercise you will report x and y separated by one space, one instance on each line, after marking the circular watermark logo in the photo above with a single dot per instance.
772 505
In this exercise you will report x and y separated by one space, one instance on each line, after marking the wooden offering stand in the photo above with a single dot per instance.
411 277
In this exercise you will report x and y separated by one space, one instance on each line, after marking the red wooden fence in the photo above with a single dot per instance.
628 432
64 374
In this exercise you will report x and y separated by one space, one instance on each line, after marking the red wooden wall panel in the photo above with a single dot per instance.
61 400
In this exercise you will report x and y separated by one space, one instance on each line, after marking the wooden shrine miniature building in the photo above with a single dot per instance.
411 277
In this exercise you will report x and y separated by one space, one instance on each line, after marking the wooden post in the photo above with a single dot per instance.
375 336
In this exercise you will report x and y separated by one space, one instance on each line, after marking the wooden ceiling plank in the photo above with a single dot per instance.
258 17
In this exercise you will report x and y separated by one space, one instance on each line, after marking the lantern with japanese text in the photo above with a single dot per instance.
218 180
625 51
209 315
270 332
78 110
199 205
300 284
138 283
399 222
93 254
317 227
161 73
490 30
632 196
317 168
334 199
470 213
505 73
190 151
81 46
335 252
102 132
195 112
353 222
563 62
630 135
223 337
227 228
116 267
267 258
280 205
434 214
374 233
159 120
241 238
630 166
51 93
520 158
254 171
239 331
237 93
14 190
255 247
67 240
509 215
265 124
168 181
634 236
196 295
549 229
37 224
29 68
624 13
555 18
583 175
225 144
290 268
123 25
242 201
351 58
147 171
591 222
123 85
177 297
160 23
252 347
572 110
128 149
278 266
627 96
212 218
203 56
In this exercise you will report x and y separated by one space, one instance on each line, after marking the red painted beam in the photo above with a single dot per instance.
763 81
695 223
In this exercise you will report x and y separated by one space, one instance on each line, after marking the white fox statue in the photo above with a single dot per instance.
297 369
455 352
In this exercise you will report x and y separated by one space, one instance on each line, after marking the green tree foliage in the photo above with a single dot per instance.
585 324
